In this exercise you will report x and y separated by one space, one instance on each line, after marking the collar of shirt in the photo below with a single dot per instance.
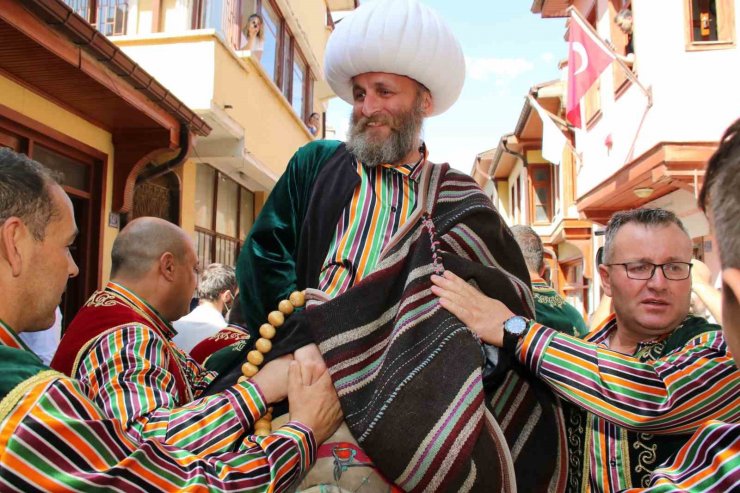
538 282
412 171
602 336
138 304
9 338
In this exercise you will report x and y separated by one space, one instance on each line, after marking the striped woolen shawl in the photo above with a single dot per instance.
409 374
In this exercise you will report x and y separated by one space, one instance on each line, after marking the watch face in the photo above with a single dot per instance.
516 325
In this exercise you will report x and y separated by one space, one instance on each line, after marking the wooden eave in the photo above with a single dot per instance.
666 167
44 44
47 48
551 8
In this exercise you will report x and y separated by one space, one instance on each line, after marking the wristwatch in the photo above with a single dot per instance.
514 329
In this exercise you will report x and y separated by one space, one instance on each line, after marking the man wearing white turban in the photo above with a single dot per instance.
396 62
341 221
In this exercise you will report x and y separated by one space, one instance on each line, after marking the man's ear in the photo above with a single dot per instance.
12 233
731 282
605 279
167 266
427 103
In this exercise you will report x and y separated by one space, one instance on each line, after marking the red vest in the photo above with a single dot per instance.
109 309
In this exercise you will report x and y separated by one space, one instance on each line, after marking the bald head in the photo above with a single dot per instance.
140 245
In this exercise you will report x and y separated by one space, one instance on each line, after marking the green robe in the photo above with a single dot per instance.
554 312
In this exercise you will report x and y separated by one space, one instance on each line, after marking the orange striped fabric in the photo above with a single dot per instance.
54 437
645 392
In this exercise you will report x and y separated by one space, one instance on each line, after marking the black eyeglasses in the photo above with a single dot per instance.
642 271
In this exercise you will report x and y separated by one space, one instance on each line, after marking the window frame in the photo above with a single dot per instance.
90 11
550 205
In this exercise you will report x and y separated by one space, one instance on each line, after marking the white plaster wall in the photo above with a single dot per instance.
186 68
696 94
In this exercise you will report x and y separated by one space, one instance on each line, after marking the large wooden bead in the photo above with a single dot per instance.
249 369
267 331
276 318
263 345
297 298
263 431
285 307
255 357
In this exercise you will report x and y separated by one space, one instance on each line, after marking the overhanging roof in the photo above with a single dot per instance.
551 8
59 54
665 168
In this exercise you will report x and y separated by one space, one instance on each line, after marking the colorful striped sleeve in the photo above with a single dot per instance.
709 462
127 375
675 393
56 439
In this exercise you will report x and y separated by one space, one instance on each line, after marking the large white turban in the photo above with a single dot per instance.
403 37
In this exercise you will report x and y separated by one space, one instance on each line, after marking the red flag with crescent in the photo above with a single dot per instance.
588 57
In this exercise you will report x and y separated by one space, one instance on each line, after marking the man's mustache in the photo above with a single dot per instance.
364 121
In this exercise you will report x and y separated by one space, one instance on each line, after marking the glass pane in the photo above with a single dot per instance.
226 206
287 47
540 214
246 211
112 16
299 75
74 173
704 20
81 7
541 174
204 196
272 31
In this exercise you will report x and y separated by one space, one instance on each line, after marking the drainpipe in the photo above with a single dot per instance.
157 171
516 154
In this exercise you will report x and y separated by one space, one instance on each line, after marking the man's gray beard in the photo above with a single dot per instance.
394 148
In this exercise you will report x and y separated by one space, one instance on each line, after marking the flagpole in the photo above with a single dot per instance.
628 71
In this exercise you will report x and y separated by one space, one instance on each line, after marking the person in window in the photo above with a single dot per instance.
255 33
314 124
623 19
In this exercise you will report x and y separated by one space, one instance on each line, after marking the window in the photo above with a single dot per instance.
224 214
108 16
541 193
709 24
283 60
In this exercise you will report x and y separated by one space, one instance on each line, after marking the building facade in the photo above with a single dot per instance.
257 102
73 101
644 142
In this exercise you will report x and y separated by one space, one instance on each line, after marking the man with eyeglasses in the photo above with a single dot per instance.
640 384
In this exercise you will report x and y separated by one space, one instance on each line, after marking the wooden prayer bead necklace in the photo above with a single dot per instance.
255 357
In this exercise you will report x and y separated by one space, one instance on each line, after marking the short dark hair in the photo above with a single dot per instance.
215 279
721 194
644 216
25 192
531 245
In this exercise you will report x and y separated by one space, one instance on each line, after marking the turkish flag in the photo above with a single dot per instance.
588 57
